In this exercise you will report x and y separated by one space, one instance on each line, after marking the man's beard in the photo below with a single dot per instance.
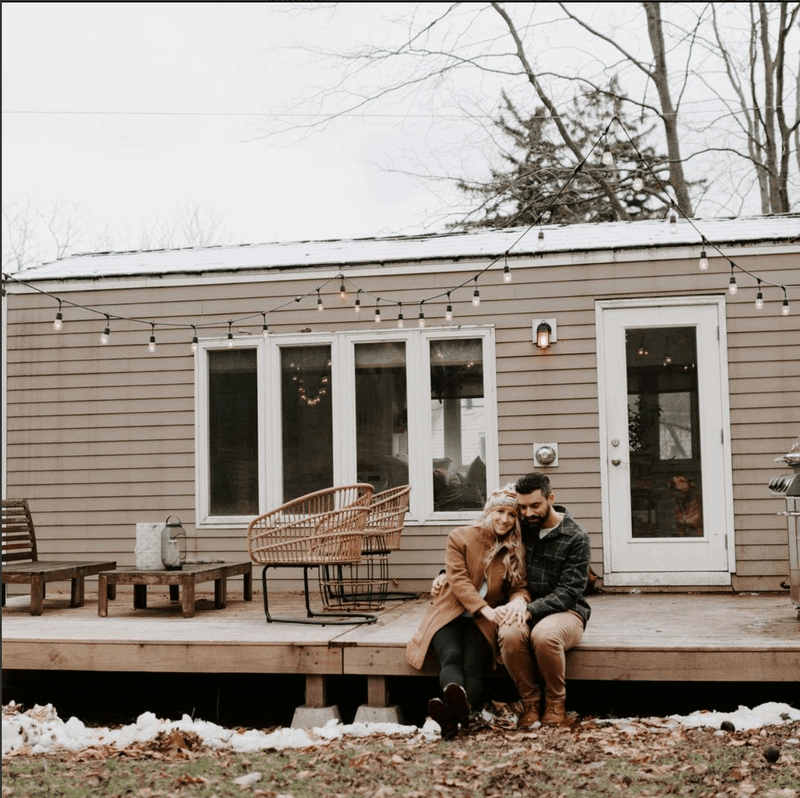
535 523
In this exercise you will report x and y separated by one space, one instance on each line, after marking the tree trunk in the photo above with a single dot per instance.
669 116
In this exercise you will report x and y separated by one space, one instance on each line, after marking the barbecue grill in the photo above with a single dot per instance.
788 486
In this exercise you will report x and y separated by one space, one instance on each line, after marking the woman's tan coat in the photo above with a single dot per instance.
467 547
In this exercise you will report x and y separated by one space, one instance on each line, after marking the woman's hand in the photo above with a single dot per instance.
515 612
438 584
489 613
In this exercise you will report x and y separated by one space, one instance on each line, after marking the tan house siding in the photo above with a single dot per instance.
101 437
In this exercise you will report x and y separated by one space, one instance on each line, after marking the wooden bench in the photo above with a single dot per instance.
21 563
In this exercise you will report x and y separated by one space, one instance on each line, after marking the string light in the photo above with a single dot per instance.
759 297
673 220
377 311
506 273
342 289
785 307
194 339
358 301
638 180
151 347
319 301
732 287
230 335
264 326
608 156
476 295
421 320
106 332
703 262
540 242
58 323
400 321
448 313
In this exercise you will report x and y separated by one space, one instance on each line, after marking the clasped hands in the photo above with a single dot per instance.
515 612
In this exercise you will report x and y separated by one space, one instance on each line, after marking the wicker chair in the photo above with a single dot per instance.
325 528
365 585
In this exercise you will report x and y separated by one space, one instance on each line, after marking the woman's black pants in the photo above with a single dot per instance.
463 654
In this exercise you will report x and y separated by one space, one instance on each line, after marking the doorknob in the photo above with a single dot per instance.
616 462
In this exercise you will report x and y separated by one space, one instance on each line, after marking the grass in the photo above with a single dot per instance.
590 760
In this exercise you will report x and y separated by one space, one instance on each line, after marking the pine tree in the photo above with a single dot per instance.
538 181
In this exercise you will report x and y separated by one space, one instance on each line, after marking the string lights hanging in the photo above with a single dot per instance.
607 159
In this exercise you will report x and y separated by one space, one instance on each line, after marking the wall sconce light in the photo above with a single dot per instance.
544 332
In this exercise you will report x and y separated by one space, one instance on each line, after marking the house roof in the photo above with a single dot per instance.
403 249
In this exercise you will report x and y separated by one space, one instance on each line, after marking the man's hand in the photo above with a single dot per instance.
515 612
438 585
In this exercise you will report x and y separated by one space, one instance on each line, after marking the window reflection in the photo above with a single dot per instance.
306 420
381 414
458 421
233 432
664 433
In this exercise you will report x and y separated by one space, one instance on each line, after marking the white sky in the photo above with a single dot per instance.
221 60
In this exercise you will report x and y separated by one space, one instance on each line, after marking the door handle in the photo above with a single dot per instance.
616 462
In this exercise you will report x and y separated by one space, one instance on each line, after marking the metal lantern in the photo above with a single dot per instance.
171 555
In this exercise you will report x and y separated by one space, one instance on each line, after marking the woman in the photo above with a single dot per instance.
485 569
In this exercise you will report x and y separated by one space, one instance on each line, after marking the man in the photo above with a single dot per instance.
558 554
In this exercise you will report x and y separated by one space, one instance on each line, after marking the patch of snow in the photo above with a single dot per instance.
43 731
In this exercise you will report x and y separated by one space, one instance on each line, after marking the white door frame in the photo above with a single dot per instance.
716 577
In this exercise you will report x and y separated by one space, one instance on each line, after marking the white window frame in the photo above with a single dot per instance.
342 345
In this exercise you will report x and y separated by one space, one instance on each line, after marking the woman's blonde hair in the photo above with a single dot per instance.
514 557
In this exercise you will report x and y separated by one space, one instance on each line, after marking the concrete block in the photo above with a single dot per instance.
367 714
314 717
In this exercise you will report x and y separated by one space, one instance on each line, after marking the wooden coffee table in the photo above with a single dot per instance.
181 584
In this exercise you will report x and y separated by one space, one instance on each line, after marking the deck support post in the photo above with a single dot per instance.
314 713
377 709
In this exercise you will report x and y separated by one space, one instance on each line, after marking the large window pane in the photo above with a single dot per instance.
306 420
458 419
233 432
381 414
664 433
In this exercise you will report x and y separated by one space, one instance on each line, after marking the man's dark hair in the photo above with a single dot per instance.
531 482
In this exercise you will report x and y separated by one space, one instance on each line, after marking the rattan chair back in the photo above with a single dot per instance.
386 519
321 528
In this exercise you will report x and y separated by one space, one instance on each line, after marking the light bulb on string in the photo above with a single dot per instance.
342 289
320 307
151 346
608 156
785 307
58 323
732 287
673 220
540 241
377 311
507 273
476 295
106 332
759 297
358 301
638 180
400 319
421 317
448 313
264 326
230 335
194 339
703 262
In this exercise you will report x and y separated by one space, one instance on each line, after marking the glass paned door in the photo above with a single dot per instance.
306 420
458 423
666 464
381 414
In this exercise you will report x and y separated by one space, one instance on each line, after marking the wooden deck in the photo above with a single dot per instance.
649 637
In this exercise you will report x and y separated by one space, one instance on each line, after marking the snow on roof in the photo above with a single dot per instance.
403 249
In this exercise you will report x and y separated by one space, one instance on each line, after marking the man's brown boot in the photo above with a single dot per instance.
530 714
555 714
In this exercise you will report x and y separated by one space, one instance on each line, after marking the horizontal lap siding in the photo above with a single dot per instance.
100 438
